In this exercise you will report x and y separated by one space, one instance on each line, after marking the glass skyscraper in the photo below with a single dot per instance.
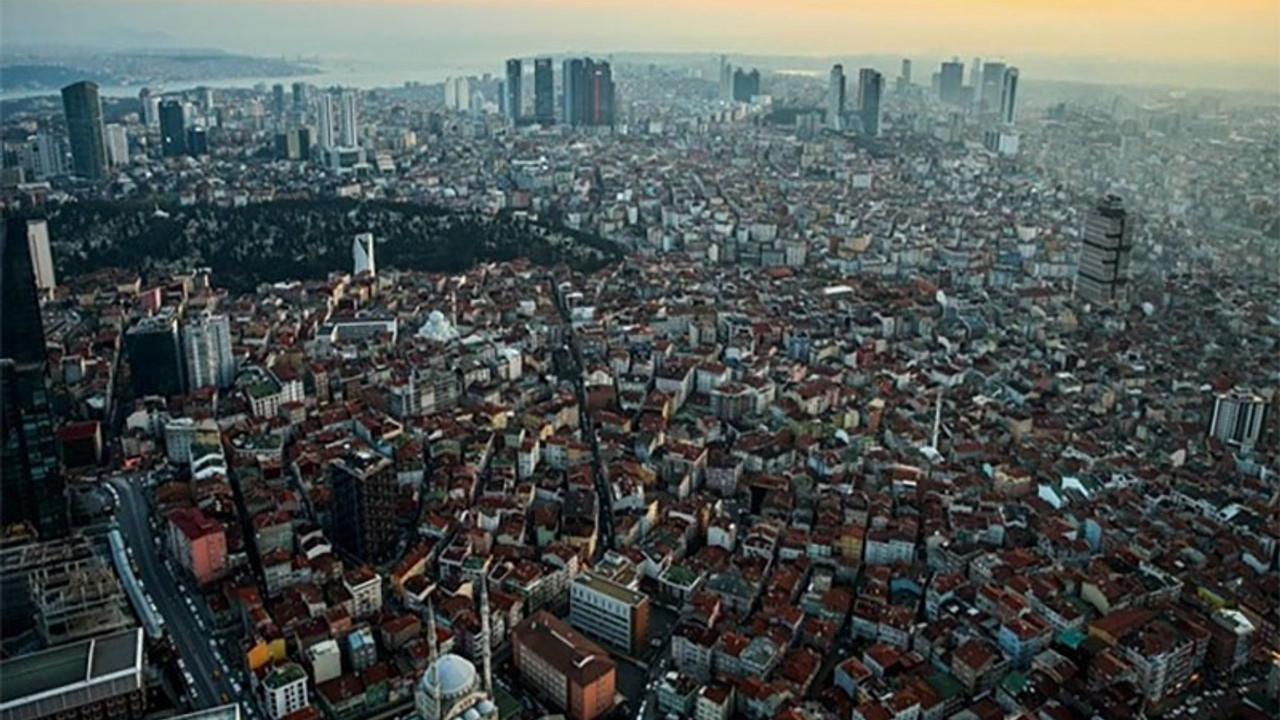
30 473
83 109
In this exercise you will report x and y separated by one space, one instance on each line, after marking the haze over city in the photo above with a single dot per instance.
1225 43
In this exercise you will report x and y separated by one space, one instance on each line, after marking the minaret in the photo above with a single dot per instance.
433 663
487 645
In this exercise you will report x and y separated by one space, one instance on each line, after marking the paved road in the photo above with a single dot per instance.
191 642
604 491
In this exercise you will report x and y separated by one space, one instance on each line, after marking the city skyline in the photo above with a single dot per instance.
498 360
1191 43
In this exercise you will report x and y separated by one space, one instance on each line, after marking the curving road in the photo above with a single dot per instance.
191 642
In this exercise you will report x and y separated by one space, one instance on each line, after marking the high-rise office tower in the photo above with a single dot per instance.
83 109
41 255
746 85
296 144
590 97
582 91
870 90
197 141
324 108
299 96
568 78
1102 272
1008 95
726 79
514 88
950 80
602 95
150 107
987 93
277 99
457 94
22 332
117 145
362 254
350 120
206 350
975 71
836 92
155 357
30 474
544 91
906 71
173 130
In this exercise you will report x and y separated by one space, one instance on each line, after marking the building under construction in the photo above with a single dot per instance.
64 590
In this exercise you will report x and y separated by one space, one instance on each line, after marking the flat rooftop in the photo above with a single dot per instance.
621 593
80 664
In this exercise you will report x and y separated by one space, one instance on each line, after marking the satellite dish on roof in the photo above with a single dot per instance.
941 297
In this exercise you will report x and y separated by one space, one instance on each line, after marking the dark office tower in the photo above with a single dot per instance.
173 131
906 71
197 141
1102 272
514 88
987 93
155 357
577 90
277 99
567 74
365 493
746 85
1008 95
602 95
83 108
544 91
950 80
299 96
870 90
30 475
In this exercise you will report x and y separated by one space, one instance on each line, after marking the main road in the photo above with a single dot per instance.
189 638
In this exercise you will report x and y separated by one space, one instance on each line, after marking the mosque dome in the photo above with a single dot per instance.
457 676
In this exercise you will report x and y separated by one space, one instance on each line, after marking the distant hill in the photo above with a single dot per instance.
40 72
44 76
300 240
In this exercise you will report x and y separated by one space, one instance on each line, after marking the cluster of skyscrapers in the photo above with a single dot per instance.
587 92
867 114
168 356
737 84
992 88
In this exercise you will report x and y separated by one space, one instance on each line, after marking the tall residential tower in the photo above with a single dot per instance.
1102 272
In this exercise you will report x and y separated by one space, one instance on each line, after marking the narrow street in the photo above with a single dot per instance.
604 493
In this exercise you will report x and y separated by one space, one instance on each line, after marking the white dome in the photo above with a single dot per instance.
438 328
457 676
471 714
485 707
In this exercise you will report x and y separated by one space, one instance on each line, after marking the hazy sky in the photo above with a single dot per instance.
1214 35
